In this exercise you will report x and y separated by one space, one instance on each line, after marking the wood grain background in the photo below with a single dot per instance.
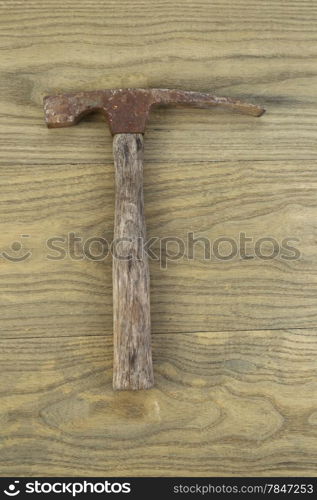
234 342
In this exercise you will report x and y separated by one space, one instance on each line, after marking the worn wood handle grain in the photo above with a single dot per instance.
131 298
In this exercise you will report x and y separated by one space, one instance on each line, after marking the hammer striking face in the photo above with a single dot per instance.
127 111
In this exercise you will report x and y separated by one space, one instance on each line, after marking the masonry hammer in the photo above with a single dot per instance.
127 111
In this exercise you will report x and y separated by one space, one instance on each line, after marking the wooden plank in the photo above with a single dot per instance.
262 53
73 295
173 134
224 404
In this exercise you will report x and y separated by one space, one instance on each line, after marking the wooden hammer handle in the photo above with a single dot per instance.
131 295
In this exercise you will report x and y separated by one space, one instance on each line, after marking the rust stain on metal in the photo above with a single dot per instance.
127 110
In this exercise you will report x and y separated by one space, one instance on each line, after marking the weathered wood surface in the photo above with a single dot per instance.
132 361
262 53
217 199
245 402
225 403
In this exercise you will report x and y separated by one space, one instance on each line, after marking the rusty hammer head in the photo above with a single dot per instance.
127 110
